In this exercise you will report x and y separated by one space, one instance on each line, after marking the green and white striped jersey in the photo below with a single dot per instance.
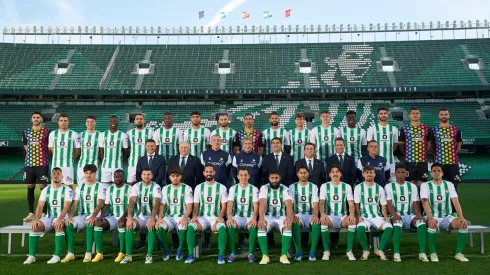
144 197
175 199
403 196
303 197
354 139
168 141
243 200
275 200
385 136
270 133
324 139
88 196
198 139
89 144
226 138
298 141
439 196
55 199
137 143
210 197
118 199
113 144
369 198
63 144
336 197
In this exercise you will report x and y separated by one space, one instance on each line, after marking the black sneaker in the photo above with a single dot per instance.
206 245
141 245
333 246
241 246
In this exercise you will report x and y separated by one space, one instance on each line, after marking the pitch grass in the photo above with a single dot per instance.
474 198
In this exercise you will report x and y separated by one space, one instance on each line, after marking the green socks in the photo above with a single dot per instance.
297 237
231 238
387 232
325 237
432 240
422 236
286 241
397 238
252 239
315 236
98 239
462 237
222 239
33 238
262 236
122 238
361 235
58 242
182 236
151 241
70 238
351 235
162 235
89 238
191 239
129 242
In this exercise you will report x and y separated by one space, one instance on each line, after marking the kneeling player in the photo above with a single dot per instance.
243 209
305 206
368 196
210 198
403 200
89 197
437 196
333 213
175 210
146 195
58 198
116 205
275 212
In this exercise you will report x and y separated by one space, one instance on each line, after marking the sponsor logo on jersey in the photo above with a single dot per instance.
299 141
439 197
167 139
275 201
402 198
209 199
243 200
417 137
303 198
62 143
88 197
34 141
175 200
195 140
370 200
325 138
223 141
111 143
140 140
384 137
145 199
352 139
118 200
335 197
54 202
88 144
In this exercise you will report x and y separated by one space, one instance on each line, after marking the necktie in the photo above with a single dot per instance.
277 161
341 161
310 167
182 164
150 161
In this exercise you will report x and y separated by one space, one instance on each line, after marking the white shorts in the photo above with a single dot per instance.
305 220
336 220
275 223
207 223
131 174
173 224
406 221
79 222
68 175
372 223
81 176
107 174
113 222
48 225
241 222
142 220
443 223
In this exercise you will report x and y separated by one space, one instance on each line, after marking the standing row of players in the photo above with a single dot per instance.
210 206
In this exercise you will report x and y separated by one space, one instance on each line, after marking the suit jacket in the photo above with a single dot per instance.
285 169
158 168
349 172
318 176
193 170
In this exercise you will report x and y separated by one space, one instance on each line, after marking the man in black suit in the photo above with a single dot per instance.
191 167
316 167
345 161
349 170
153 161
278 161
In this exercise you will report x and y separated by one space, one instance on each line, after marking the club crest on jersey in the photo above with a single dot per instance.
209 199
243 200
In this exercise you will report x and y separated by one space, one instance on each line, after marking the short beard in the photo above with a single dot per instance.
275 123
275 186
209 178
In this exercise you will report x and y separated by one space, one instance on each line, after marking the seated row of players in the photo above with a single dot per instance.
145 206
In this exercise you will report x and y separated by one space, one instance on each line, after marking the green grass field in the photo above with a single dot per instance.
474 199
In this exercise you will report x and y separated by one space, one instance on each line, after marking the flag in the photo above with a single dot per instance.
245 15
267 14
201 14
288 13
223 15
